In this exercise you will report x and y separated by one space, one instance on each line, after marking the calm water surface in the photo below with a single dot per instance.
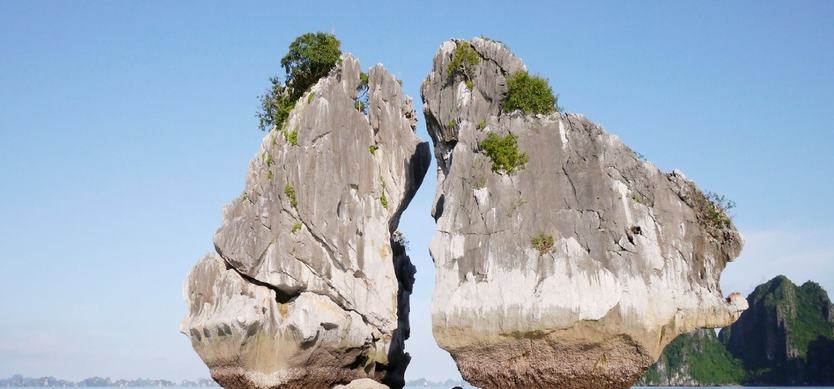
445 387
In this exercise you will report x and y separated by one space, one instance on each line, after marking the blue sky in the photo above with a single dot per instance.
126 126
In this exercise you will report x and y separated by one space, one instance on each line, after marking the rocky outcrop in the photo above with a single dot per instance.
787 335
362 383
309 284
634 259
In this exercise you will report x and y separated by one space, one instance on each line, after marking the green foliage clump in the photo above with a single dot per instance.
268 160
296 227
292 136
310 97
290 192
452 123
276 106
372 149
504 152
310 57
482 124
530 94
543 243
711 209
470 85
383 199
464 60
269 175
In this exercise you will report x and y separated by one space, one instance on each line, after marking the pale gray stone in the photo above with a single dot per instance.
632 266
307 295
363 383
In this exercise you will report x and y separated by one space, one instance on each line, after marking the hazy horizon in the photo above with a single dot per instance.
128 126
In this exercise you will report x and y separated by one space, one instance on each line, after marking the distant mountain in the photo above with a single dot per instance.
21 381
695 359
786 337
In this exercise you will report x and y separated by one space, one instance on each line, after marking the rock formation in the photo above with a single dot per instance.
362 383
627 256
309 284
785 338
787 335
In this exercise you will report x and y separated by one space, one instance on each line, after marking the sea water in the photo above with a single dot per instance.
662 387
447 387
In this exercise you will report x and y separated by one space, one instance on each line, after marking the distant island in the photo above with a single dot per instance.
785 338
21 381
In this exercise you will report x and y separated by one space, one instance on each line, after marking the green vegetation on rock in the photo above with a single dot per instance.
292 136
464 60
711 209
310 57
504 152
530 94
543 243
383 199
290 192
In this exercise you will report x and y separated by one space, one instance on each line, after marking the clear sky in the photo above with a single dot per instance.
126 126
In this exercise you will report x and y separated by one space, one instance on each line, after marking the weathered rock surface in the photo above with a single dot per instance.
307 288
362 383
634 262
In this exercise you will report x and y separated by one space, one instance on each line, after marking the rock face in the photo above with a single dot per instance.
362 383
635 259
309 284
787 335
695 359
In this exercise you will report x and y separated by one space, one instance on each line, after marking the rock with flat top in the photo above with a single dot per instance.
577 269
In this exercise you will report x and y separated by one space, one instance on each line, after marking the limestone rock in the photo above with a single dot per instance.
363 383
635 260
304 288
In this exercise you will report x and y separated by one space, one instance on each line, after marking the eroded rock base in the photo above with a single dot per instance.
295 378
548 362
